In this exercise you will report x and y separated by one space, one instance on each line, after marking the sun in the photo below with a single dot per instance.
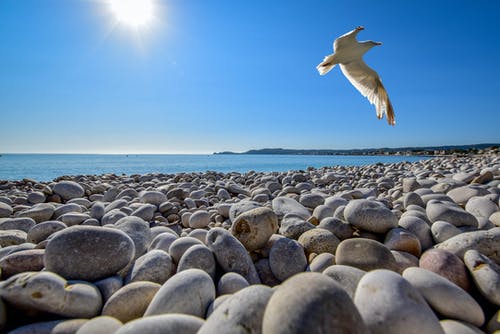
134 13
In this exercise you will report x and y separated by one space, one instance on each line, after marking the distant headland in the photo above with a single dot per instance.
427 150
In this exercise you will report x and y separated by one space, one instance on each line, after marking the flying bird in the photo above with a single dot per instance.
348 53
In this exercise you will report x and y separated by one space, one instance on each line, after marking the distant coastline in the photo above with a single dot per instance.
408 151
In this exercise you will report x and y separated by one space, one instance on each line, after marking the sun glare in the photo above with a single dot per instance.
134 13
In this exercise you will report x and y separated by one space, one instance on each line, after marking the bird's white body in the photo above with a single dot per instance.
348 53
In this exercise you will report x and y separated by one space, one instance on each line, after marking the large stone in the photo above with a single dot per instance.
18 262
253 228
287 258
39 212
42 231
311 303
154 266
198 257
485 273
370 216
319 241
138 230
199 219
449 212
5 210
231 283
285 205
68 190
164 323
153 197
389 304
88 252
48 292
241 313
420 228
445 297
365 254
446 264
348 277
481 207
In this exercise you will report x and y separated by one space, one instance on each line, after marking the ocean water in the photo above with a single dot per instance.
46 167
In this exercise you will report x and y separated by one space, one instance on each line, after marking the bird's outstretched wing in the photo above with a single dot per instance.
346 39
368 83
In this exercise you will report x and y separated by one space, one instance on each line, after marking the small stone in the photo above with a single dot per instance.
199 219
365 254
51 327
180 246
19 262
36 197
73 218
322 211
100 325
265 274
446 264
68 190
146 212
462 194
108 286
403 240
442 231
404 260
445 297
459 327
341 229
188 292
163 241
481 206
12 237
39 212
311 303
485 273
292 226
131 301
198 257
412 198
231 283
155 266
420 229
494 324
240 207
5 210
383 297
311 200
97 210
43 230
449 212
253 228
287 258
164 323
138 230
284 205
348 277
153 197
370 215
23 224
321 262
319 241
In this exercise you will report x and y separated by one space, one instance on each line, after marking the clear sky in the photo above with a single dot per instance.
207 76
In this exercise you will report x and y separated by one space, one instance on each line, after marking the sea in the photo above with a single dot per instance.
46 167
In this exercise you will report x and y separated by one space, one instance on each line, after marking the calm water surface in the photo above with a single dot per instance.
46 167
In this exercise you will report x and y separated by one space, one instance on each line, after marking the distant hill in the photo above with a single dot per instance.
427 150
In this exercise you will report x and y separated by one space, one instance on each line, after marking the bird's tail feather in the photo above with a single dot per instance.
326 65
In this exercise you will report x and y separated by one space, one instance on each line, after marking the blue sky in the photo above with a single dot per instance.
219 75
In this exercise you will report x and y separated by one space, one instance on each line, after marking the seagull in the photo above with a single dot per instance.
348 53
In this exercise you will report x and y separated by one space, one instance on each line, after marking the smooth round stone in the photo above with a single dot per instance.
442 231
420 228
153 197
462 194
199 234
36 197
334 202
321 262
485 242
164 323
311 200
97 210
370 216
18 262
100 325
154 266
131 301
265 274
495 218
67 208
231 283
445 297
412 198
417 214
163 241
187 292
12 237
108 286
341 229
240 207
138 230
322 211
199 219
383 297
198 257
485 273
365 254
68 190
348 277
51 327
23 224
285 205
319 241
404 260
216 303
287 258
146 212
181 245
88 253
403 240
311 303
449 212
446 264
48 292
253 228
459 327
73 218
240 313
223 194
112 217
5 210
481 206
39 212
231 254
292 226
410 184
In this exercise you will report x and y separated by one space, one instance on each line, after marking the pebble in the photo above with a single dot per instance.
231 283
321 262
446 264
108 286
348 277
442 231
370 215
481 207
341 229
77 252
459 327
420 229
384 297
400 239
138 230
100 325
240 207
292 226
154 266
462 194
449 212
198 257
287 258
131 301
285 205
19 262
153 197
485 273
5 210
52 327
180 246
39 212
445 297
365 254
253 228
12 237
318 241
164 323
199 219
311 303
23 224
68 190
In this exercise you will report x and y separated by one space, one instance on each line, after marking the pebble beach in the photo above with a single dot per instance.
407 247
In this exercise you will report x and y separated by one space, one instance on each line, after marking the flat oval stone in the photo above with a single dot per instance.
131 301
481 206
319 240
231 283
370 215
400 239
287 258
383 297
164 323
485 273
446 264
12 237
242 206
154 266
311 303
449 212
187 292
292 226
445 297
198 257
153 197
68 190
285 205
39 212
365 254
23 224
240 313
253 228
442 231
51 327
341 229
231 254
138 230
18 262
181 245
108 286
163 241
462 194
348 277
100 325
48 292
420 228
5 210
321 262
88 252
199 219
42 231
